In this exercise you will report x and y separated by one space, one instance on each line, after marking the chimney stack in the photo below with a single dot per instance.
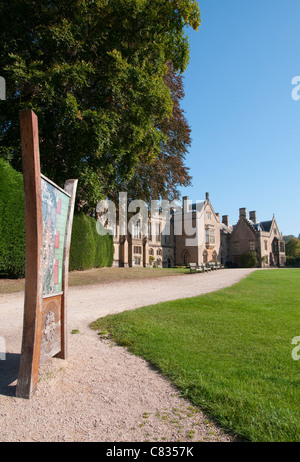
243 213
225 220
252 216
207 196
185 204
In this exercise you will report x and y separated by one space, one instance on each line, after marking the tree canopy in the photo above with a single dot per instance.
96 73
161 177
292 248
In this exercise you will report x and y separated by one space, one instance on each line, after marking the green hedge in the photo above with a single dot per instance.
292 261
249 260
12 227
88 248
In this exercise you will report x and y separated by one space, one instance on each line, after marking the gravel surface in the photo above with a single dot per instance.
102 392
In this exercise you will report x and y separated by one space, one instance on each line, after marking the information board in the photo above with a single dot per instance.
55 205
48 223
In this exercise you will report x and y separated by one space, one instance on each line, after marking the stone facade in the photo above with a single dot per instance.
263 238
197 235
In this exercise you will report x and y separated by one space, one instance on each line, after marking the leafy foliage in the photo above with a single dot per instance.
94 71
292 249
249 260
162 176
88 248
12 225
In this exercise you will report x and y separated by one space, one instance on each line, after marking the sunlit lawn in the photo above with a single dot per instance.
229 352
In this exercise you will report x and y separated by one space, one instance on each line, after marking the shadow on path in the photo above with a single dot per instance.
9 370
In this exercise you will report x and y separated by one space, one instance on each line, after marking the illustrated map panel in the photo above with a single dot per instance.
55 214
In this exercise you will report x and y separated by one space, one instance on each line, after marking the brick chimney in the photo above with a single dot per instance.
225 220
243 213
252 216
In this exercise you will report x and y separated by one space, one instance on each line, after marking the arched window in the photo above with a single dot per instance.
205 256
214 256
186 257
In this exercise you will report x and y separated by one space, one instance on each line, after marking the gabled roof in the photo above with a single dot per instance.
266 225
198 206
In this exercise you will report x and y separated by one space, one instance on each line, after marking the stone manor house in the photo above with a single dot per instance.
202 238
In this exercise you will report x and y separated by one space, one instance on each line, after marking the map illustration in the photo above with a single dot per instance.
55 205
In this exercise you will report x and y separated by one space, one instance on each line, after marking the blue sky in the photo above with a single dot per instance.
238 101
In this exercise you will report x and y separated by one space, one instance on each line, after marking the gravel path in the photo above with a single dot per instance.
102 392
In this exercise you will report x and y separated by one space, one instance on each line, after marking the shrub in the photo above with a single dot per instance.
104 248
249 260
292 248
83 247
12 222
88 248
292 261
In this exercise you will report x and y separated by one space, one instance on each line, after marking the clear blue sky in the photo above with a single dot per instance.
238 101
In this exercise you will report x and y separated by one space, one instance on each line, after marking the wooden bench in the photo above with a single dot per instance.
203 267
194 268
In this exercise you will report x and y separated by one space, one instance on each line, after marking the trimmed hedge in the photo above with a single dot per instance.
249 260
88 248
12 223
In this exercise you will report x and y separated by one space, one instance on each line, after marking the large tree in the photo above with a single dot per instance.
161 177
95 72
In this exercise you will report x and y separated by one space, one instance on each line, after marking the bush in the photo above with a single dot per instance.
88 248
104 248
292 261
292 248
83 247
249 260
12 223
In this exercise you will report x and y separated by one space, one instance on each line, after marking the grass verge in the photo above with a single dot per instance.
99 276
229 352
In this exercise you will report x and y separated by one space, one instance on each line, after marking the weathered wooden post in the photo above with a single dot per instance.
48 223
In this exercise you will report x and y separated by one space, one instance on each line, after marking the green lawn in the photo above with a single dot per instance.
229 352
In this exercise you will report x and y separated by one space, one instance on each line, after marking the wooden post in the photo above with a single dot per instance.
29 364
